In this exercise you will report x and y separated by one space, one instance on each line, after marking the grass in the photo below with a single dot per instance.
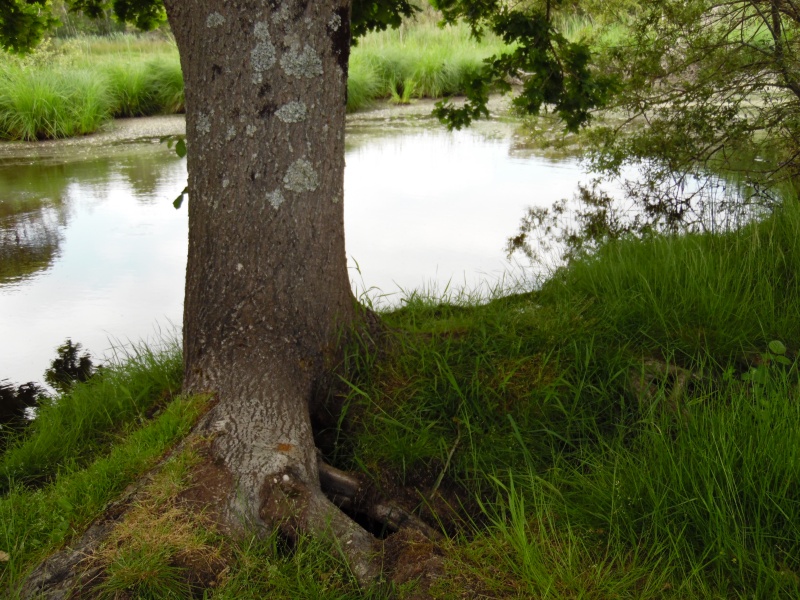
587 484
50 103
35 522
417 60
688 294
70 432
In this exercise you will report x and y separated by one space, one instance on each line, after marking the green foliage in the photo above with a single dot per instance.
23 23
772 363
144 14
553 71
705 86
378 15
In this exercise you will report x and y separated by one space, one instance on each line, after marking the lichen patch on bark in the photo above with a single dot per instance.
203 124
292 112
301 177
214 20
262 56
275 199
301 63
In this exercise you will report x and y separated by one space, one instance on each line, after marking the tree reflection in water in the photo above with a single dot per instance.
29 242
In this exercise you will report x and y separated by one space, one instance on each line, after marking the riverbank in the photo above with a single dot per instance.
71 88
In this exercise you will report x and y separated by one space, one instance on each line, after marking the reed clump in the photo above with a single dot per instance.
72 88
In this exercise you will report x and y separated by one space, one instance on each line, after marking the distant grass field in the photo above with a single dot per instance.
630 430
72 87
418 60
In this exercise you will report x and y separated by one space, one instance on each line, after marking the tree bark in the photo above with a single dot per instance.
267 289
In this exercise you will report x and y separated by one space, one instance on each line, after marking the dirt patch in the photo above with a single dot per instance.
413 562
208 486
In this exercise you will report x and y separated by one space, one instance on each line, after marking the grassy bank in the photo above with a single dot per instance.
631 430
71 87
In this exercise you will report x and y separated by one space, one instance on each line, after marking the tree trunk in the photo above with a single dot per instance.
267 289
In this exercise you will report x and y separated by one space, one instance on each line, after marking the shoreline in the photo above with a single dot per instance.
118 132
148 130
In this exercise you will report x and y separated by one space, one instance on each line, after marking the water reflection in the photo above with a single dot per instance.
434 208
28 243
31 217
92 248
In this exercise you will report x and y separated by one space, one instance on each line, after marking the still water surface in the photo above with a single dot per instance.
92 249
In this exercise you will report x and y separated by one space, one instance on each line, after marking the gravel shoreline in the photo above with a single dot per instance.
117 133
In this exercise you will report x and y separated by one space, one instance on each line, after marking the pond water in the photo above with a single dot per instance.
92 249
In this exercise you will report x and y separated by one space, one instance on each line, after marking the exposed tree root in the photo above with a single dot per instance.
348 492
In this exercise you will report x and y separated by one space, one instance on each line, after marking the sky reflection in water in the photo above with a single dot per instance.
423 208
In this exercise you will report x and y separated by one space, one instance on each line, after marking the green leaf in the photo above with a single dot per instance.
180 148
179 200
777 347
756 375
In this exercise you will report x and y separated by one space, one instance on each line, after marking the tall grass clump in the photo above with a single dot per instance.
462 381
73 87
77 425
698 503
48 103
717 493
144 87
166 79
724 294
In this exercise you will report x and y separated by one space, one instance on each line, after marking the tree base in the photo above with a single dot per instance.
401 548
